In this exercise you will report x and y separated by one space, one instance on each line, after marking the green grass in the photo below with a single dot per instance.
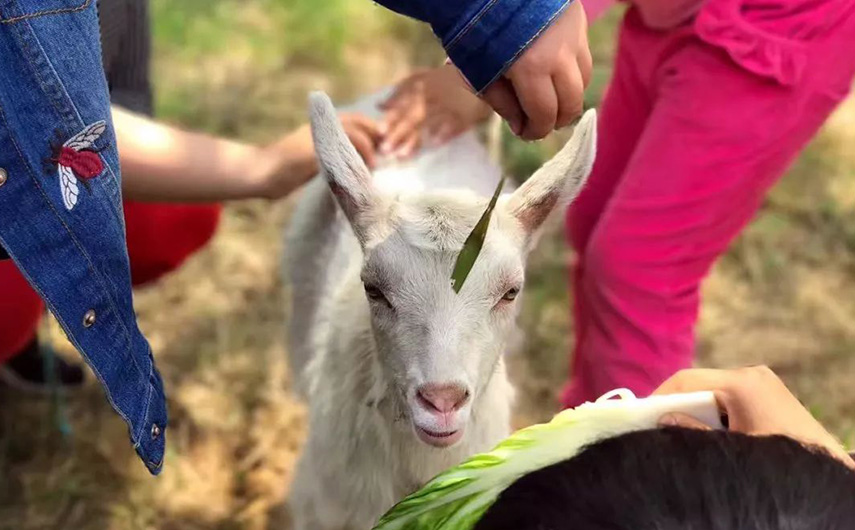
268 30
237 67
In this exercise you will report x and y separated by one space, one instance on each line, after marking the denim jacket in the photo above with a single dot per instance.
482 38
61 216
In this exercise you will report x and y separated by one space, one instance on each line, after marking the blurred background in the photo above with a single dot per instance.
784 295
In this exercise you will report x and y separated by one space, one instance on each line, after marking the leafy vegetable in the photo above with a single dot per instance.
472 246
457 498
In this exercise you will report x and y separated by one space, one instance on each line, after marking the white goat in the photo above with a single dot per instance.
403 377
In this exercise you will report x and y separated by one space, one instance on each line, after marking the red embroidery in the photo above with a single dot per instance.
77 159
85 164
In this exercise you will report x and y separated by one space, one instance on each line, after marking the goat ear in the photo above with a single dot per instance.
348 176
558 181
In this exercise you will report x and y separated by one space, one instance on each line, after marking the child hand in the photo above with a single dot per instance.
430 106
756 402
290 162
365 134
543 89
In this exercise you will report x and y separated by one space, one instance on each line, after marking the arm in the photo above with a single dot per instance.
528 59
163 163
482 37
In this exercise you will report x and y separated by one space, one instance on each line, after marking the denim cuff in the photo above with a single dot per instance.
150 439
496 36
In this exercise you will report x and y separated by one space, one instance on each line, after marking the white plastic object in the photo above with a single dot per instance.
648 411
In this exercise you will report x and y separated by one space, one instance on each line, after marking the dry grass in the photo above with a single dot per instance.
783 296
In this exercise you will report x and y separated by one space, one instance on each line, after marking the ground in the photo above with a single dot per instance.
784 295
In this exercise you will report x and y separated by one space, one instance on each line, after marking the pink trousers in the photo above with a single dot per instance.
697 124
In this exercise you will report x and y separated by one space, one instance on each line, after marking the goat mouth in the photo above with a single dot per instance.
439 439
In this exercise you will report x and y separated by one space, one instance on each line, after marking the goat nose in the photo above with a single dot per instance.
443 398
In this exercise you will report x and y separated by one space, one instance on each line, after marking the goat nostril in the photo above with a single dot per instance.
426 402
463 400
442 398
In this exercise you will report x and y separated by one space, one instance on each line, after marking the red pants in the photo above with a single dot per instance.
160 238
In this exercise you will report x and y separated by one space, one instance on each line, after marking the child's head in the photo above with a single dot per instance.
679 479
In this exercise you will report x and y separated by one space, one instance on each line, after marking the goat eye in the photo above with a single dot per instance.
375 294
511 295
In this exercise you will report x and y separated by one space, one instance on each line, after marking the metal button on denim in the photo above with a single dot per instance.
89 318
3 176
155 431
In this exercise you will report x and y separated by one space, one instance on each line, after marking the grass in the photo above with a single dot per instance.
784 295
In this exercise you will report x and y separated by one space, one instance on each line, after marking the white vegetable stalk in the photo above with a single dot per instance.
457 498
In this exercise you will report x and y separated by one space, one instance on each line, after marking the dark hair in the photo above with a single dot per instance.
680 479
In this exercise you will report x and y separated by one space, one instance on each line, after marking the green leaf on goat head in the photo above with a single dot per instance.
474 242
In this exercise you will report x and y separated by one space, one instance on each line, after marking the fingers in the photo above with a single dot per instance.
402 137
394 101
739 394
364 145
539 102
569 86
502 97
365 134
370 127
719 382
678 419
442 127
402 126
696 380
408 146
406 88
756 402
405 111
750 379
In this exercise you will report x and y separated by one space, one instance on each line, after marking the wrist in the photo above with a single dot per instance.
282 167
256 177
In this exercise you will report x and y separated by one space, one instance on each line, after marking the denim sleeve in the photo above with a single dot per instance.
482 38
61 217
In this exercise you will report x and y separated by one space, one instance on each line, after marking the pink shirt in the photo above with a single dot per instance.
657 14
